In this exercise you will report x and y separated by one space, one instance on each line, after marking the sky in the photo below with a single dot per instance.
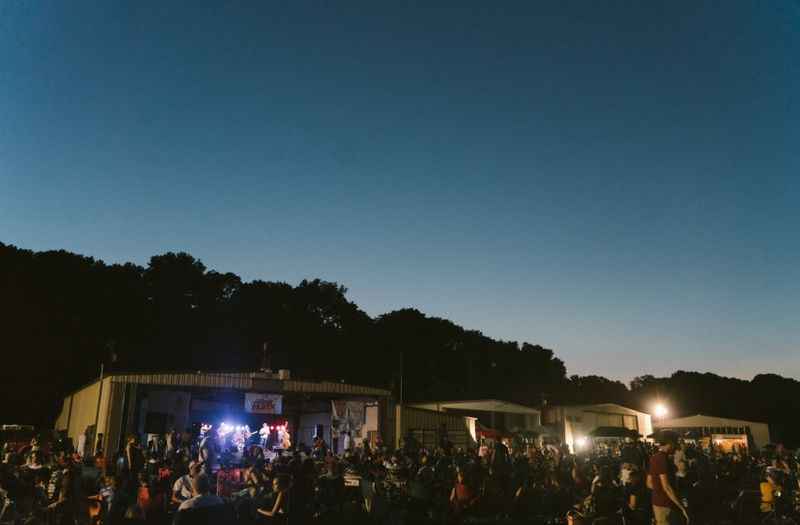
617 181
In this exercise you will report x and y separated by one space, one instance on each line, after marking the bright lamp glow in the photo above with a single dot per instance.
225 429
660 410
580 442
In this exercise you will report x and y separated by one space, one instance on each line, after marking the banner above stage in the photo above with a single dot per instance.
257 403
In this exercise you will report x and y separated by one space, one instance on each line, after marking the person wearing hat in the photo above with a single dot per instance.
667 506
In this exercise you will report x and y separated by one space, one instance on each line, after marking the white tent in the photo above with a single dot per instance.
708 425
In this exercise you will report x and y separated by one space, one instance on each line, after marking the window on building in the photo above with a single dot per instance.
609 420
552 416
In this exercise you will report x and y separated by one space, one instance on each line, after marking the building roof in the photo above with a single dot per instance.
700 420
600 405
251 381
478 405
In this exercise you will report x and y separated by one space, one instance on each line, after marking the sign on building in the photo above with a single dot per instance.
257 403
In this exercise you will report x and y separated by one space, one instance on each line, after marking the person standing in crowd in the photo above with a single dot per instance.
631 454
462 496
679 454
667 506
34 461
499 466
134 457
107 493
34 446
605 494
207 453
683 481
635 506
320 449
625 473
170 443
64 510
769 487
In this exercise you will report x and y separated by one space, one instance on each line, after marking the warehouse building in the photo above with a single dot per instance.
577 425
721 431
490 417
106 411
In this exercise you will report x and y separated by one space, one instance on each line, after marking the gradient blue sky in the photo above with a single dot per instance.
617 181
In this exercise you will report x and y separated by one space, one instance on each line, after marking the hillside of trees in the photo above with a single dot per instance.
63 314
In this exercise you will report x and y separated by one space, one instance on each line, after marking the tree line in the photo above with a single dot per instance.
63 314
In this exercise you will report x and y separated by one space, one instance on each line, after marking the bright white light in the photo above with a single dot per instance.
660 410
580 442
225 428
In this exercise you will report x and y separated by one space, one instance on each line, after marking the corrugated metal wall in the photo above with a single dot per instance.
328 387
105 406
84 410
113 428
426 426
209 380
62 422
245 381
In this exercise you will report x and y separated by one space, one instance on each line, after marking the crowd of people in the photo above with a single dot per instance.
183 480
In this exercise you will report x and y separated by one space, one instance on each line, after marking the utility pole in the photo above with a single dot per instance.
97 412
401 377
266 358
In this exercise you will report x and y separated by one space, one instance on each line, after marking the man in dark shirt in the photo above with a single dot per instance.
631 454
667 507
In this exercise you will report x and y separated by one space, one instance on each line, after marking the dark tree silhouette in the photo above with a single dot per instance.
62 314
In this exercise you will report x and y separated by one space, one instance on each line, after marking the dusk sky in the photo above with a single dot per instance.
617 181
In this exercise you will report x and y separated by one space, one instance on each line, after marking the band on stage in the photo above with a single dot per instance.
238 441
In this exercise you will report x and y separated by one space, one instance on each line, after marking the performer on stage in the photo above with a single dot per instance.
264 435
240 438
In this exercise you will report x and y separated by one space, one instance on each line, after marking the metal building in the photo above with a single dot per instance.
106 411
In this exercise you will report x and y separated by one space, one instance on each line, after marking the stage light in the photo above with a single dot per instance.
225 428
660 410
580 442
